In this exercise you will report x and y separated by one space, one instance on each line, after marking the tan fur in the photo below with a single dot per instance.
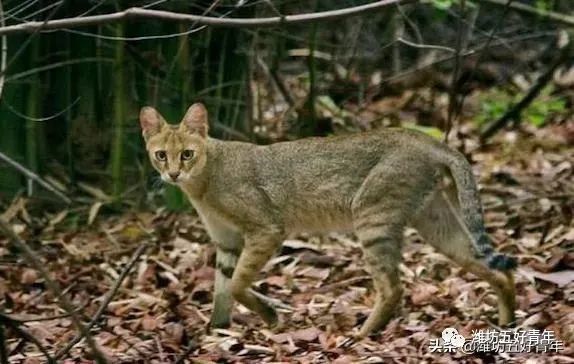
250 197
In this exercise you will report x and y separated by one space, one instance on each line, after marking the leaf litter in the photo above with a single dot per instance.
161 312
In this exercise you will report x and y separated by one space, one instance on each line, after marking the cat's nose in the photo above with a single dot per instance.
174 175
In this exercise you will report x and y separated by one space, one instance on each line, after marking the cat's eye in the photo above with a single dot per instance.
161 155
186 154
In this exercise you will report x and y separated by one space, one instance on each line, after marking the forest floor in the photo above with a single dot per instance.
160 313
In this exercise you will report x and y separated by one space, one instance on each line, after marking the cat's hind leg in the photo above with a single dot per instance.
390 194
382 255
440 226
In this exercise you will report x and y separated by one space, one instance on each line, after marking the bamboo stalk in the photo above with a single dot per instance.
174 198
68 117
184 65
32 108
220 77
119 82
311 64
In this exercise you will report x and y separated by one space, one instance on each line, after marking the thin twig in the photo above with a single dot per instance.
41 318
33 176
51 66
40 11
426 46
20 8
45 118
468 53
550 15
28 40
109 296
25 335
190 348
37 263
140 13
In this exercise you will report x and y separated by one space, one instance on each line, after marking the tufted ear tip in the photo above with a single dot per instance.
151 121
195 119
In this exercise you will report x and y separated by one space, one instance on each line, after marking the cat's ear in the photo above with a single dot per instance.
195 120
151 121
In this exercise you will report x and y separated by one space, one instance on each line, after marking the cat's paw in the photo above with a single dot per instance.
269 315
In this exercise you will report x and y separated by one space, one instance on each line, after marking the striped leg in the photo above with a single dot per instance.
389 194
379 226
226 260
229 244
259 248
382 251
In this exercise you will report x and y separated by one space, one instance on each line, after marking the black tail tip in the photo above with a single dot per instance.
501 262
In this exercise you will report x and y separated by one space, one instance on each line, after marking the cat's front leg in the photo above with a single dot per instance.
225 262
259 248
229 244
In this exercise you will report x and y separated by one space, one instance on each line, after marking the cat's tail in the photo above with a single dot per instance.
471 209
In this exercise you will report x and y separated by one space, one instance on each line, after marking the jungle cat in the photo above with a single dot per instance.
249 197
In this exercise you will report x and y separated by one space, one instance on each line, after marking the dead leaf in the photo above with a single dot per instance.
29 276
316 273
149 323
305 335
561 278
94 212
174 331
423 293
539 320
94 191
277 281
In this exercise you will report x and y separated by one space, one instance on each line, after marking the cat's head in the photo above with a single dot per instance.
177 152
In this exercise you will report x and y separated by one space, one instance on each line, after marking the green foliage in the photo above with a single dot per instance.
429 130
496 103
443 4
493 105
447 4
538 112
544 5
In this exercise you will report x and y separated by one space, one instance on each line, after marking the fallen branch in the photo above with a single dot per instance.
190 349
140 13
516 110
550 15
104 305
33 176
41 318
5 320
35 262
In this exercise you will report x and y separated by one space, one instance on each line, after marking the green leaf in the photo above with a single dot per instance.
536 119
429 130
442 4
